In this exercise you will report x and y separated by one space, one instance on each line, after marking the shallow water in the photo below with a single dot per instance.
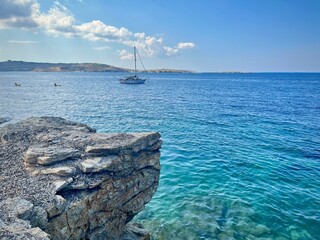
241 152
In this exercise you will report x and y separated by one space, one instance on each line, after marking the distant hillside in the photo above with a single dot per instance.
164 70
9 66
57 67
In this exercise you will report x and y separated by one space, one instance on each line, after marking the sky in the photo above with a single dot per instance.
203 35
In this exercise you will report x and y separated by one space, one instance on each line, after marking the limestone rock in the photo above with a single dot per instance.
57 207
62 180
99 164
49 154
59 171
61 184
25 220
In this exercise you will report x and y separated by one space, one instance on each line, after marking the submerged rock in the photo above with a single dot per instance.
62 180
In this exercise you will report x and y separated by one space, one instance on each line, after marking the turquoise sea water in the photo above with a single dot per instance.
241 152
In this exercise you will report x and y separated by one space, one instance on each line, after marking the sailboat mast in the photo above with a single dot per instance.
135 62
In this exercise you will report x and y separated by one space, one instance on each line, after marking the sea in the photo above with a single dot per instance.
241 151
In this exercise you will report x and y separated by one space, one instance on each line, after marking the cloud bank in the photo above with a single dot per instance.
59 21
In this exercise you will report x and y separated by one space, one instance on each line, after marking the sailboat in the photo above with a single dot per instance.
133 79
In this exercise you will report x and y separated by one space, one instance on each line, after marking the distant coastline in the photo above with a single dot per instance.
22 66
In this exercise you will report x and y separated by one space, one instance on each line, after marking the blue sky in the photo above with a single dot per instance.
206 35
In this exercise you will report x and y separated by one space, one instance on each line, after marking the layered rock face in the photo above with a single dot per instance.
62 180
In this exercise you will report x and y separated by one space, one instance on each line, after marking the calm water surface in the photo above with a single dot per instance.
241 152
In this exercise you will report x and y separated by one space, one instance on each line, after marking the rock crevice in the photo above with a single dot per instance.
62 180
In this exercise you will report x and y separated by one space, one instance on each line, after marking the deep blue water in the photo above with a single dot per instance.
241 152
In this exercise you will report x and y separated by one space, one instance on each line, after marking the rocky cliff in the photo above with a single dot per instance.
62 180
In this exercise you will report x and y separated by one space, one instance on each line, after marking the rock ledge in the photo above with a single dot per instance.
62 180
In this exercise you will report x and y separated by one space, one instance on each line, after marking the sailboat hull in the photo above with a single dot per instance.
132 80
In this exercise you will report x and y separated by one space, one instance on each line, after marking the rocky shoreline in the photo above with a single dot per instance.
62 180
3 120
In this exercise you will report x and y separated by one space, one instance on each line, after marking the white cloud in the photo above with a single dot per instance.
102 48
153 46
147 45
97 30
125 55
140 35
185 45
169 51
58 20
26 14
23 41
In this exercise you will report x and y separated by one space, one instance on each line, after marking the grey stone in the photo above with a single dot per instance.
99 164
64 181
39 217
25 220
22 208
134 141
59 171
49 155
61 184
58 206
2 224
3 120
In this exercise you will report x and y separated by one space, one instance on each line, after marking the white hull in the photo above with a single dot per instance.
132 81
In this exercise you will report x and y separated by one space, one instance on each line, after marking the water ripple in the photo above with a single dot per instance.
240 158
